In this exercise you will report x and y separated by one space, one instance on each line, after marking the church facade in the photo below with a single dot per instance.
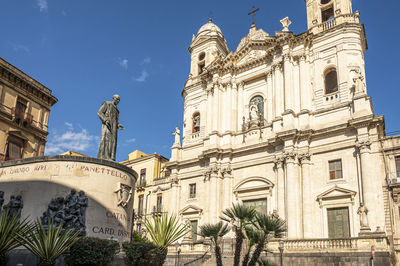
284 123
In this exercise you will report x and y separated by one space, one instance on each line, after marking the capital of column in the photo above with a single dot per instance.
363 146
277 67
279 161
291 157
286 57
305 158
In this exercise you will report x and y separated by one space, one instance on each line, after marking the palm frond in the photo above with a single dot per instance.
9 229
164 230
50 243
239 214
214 231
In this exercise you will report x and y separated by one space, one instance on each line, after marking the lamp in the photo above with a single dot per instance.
281 247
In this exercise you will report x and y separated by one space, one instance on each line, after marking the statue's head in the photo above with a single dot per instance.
19 197
81 193
1 193
73 191
116 99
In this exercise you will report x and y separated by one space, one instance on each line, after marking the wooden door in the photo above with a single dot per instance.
338 222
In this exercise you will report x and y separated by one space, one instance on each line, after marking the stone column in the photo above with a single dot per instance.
234 111
214 197
227 115
304 85
240 104
270 96
368 186
292 196
215 114
289 93
307 219
278 84
280 179
227 194
296 98
173 198
209 109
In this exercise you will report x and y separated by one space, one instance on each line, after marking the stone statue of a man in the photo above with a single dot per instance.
108 114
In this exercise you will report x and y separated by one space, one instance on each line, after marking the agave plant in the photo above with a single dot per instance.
265 227
9 238
239 215
49 243
215 232
164 230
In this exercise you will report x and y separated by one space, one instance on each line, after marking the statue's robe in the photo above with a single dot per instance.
108 142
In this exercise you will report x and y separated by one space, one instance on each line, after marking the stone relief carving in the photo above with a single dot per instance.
14 206
124 194
358 81
69 212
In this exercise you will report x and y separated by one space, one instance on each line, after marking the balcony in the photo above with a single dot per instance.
337 20
157 209
393 178
21 116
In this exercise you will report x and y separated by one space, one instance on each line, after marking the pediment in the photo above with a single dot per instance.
253 184
251 56
191 209
336 193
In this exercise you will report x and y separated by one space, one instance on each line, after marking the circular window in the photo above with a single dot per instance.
202 56
324 2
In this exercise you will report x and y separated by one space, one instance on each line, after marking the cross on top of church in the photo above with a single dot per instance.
253 15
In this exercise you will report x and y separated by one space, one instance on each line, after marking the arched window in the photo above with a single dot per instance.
196 122
327 12
202 56
331 82
202 62
324 2
256 108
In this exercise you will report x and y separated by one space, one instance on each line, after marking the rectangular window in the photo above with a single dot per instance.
327 14
201 67
142 179
335 169
338 222
140 205
397 166
21 105
259 204
194 225
192 191
14 151
159 203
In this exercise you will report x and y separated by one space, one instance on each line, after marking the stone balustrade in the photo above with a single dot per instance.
340 19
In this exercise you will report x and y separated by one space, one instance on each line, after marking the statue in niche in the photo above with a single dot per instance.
363 212
358 81
257 109
177 135
1 200
14 206
196 123
109 114
189 234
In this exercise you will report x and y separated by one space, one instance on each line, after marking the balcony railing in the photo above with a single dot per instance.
340 19
18 113
393 178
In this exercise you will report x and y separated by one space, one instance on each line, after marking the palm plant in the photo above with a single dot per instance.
164 230
50 243
239 215
215 232
265 227
9 229
253 237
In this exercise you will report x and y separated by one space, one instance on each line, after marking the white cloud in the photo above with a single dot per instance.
132 140
123 62
143 76
70 139
20 47
43 6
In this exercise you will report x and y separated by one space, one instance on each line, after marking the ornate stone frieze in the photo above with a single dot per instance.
70 212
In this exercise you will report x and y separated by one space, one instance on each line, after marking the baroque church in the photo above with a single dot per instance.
284 123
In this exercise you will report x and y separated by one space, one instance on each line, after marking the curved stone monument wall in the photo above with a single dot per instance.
101 201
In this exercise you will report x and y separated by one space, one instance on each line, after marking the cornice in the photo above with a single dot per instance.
16 79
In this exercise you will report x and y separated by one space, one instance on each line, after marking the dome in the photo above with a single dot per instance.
210 29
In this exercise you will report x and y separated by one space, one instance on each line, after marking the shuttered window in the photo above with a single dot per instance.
338 222
398 166
335 169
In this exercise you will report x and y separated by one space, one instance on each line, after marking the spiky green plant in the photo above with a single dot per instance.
9 239
215 232
164 230
265 227
239 216
50 243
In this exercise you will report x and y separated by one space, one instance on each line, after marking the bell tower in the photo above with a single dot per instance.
321 11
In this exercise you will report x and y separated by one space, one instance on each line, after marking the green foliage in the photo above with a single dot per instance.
48 244
90 251
144 254
214 231
138 238
165 230
9 238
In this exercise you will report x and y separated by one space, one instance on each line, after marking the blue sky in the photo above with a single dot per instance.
88 50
